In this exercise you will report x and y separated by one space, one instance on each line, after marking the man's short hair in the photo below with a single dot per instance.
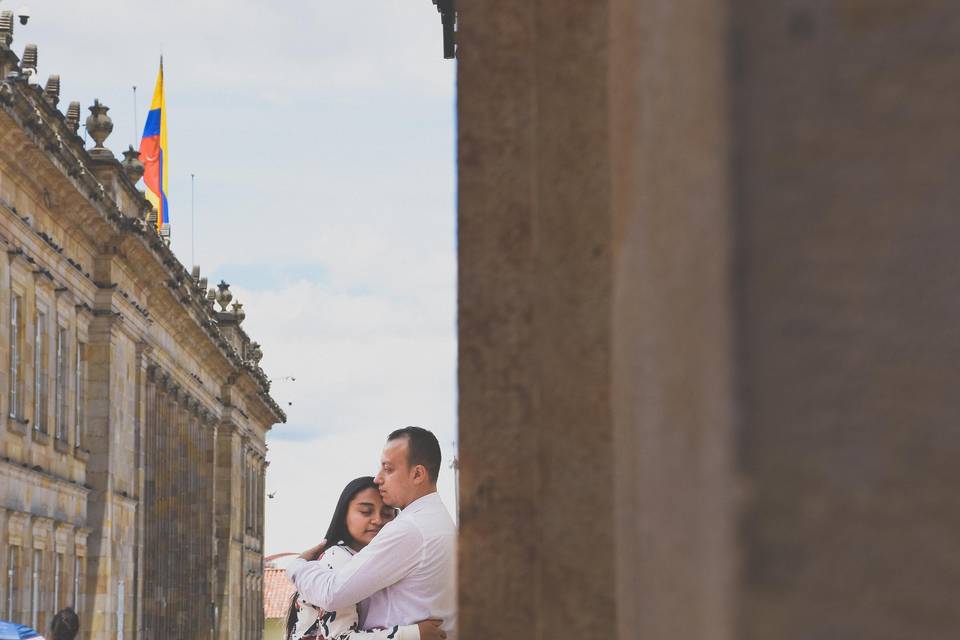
422 448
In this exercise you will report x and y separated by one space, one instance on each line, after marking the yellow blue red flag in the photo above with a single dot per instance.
153 153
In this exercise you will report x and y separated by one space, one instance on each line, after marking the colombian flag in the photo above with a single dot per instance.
153 153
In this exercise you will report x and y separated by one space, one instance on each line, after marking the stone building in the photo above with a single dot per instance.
708 319
134 411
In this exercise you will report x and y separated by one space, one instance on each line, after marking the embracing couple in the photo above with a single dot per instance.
380 574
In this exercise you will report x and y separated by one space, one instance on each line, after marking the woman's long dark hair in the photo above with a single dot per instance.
336 533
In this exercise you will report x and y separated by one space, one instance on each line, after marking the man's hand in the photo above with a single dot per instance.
430 630
313 552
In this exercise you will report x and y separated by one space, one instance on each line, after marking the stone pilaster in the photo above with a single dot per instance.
142 405
99 611
229 530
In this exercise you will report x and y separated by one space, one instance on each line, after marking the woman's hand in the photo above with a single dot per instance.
313 552
430 630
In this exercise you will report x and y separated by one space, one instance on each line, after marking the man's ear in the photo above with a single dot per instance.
419 473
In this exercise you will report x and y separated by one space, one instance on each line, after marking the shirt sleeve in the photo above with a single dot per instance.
392 555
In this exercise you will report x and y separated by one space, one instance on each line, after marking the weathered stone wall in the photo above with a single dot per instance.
846 224
534 307
110 489
706 319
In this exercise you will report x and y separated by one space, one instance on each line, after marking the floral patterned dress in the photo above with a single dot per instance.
344 624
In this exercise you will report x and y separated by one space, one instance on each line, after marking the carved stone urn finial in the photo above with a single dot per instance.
132 165
211 297
224 296
239 312
99 126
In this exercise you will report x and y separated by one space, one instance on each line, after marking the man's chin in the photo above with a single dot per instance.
387 501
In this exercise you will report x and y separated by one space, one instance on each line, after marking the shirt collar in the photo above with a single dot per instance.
421 503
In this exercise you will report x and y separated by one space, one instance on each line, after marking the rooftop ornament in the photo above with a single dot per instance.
223 297
239 312
51 91
73 116
6 28
448 18
28 63
255 353
132 165
99 126
151 216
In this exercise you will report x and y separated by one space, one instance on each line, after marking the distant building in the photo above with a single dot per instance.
277 592
133 413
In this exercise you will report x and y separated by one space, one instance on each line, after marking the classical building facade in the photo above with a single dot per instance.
134 411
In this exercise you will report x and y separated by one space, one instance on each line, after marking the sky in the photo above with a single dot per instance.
321 138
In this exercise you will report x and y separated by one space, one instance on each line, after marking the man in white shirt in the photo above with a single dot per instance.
408 572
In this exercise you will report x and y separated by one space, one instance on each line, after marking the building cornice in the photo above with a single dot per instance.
43 140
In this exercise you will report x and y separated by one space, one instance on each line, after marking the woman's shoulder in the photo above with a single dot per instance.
335 556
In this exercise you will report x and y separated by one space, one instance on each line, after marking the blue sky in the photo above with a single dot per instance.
321 135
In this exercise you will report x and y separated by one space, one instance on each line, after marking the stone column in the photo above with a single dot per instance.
143 405
208 482
707 321
100 602
179 540
149 586
229 529
164 511
594 388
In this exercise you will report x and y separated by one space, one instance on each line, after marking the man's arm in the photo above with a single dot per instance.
394 552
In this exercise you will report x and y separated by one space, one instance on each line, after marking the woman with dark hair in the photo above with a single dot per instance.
358 517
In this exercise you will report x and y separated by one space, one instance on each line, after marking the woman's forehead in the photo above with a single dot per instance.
368 496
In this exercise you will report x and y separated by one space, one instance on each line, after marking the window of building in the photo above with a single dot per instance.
61 383
40 374
77 564
12 560
121 603
80 399
57 569
16 369
35 591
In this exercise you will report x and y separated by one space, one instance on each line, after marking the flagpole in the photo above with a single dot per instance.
134 134
193 259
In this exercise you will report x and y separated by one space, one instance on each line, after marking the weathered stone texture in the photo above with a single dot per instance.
847 225
707 321
534 307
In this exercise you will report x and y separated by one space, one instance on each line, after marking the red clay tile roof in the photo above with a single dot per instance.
269 559
277 591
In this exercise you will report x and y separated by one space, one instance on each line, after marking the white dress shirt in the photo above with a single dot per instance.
406 574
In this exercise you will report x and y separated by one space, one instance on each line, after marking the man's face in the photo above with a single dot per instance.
395 477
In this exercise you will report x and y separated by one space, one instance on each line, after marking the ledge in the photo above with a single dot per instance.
9 468
40 436
17 426
81 454
61 445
